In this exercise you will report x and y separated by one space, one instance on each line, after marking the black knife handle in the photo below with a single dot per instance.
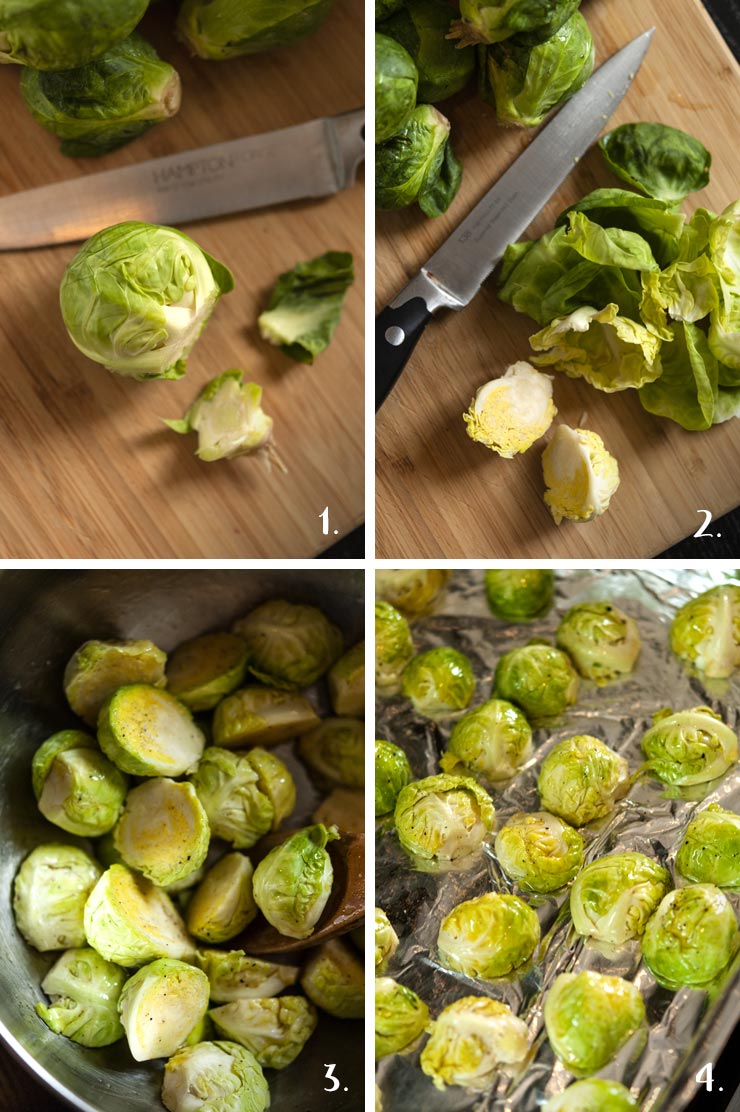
397 331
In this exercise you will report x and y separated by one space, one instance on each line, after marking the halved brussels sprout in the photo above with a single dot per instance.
580 473
519 594
392 773
412 592
593 1095
602 641
84 990
346 681
705 632
163 831
65 34
335 751
222 1074
689 746
443 817
421 27
589 1016
489 936
98 668
289 645
400 1016
218 29
160 1005
438 682
710 850
493 740
471 1041
228 787
233 975
261 716
396 82
386 939
275 1030
540 852
49 895
275 781
510 412
393 646
581 778
691 937
149 732
613 897
538 678
344 809
223 904
130 921
292 884
201 671
334 979
77 788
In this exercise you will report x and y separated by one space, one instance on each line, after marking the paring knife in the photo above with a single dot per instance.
455 273
310 160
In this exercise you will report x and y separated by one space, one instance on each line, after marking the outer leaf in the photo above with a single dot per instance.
657 160
687 388
306 305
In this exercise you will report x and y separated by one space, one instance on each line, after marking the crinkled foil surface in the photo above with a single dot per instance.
687 1028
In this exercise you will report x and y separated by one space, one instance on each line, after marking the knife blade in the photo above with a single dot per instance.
454 274
312 159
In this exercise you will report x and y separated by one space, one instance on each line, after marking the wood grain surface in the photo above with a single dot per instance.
441 495
88 470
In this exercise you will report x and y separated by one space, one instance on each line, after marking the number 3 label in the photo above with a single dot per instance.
330 1067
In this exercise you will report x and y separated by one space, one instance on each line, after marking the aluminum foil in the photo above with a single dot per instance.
687 1028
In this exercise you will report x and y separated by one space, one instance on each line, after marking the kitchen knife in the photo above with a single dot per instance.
310 160
455 273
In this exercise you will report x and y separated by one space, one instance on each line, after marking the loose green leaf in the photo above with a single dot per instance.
686 390
657 160
306 305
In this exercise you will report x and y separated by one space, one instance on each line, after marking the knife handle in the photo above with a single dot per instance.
397 331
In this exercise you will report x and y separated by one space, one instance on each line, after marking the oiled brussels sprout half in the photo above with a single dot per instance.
392 773
346 680
160 1005
50 892
689 746
400 1017
261 716
705 633
130 921
275 1030
491 740
148 732
612 898
393 646
538 678
519 594
84 990
439 682
710 850
386 940
601 640
223 904
593 1095
443 817
581 778
289 645
244 794
489 936
539 851
589 1016
227 1075
335 751
163 831
471 1041
292 884
334 979
412 592
200 672
76 787
233 975
691 937
97 668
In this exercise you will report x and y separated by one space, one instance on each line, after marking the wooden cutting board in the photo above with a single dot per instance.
439 494
88 470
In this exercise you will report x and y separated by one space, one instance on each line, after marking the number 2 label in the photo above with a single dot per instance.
701 531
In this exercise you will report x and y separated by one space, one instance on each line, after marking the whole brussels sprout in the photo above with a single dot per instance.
421 27
226 1075
412 592
149 732
224 902
589 1016
593 1095
289 645
334 979
346 680
400 1016
201 671
393 646
489 936
292 884
485 21
538 678
66 33
612 898
217 29
384 8
443 817
84 990
471 1040
581 778
689 746
392 772
335 751
396 81
519 594
539 852
417 164
710 850
160 1005
163 831
705 632
438 682
275 1030
233 975
493 740
97 668
691 937
602 641
49 896
386 939
130 921
76 787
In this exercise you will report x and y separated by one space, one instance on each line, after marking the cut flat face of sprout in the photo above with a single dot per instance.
710 850
84 990
275 1030
218 29
489 936
261 716
226 1075
335 751
412 592
76 787
292 884
509 413
289 645
392 773
612 898
691 937
581 778
334 979
227 415
233 975
160 1005
602 641
400 1017
223 904
705 633
67 34
689 746
492 740
443 817
346 680
518 594
539 851
538 678
98 668
49 896
580 475
201 671
471 1040
148 732
163 831
394 647
438 682
588 1018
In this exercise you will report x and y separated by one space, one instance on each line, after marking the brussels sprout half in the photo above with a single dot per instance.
218 29
130 921
400 1017
396 81
77 788
223 904
386 940
540 852
689 746
471 1040
602 641
334 979
149 732
292 884
289 645
346 681
538 678
492 740
705 632
710 850
233 975
163 831
443 817
275 1030
691 937
581 778
49 896
160 1005
392 773
335 751
519 594
489 936
593 1095
261 716
98 668
613 897
412 592
393 646
224 1075
201 671
84 990
228 787
588 1018
439 682
64 34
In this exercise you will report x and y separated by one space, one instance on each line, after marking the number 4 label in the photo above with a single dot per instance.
705 1077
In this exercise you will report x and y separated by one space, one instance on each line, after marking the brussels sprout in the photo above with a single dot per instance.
588 1018
396 82
306 305
392 773
511 411
393 646
65 34
612 898
136 297
233 975
580 474
539 852
335 751
228 417
160 1005
224 903
412 592
292 884
417 164
334 978
581 778
705 632
538 678
438 682
689 746
76 787
275 1030
657 160
84 990
495 20
261 716
471 1041
519 594
593 1095
130 921
289 645
421 27
384 8
602 641
494 739
489 936
200 672
344 809
691 937
100 106
710 850
400 1017
218 29
222 1074
443 817
386 939
228 787
274 781
49 895
149 732
346 680
163 831
97 668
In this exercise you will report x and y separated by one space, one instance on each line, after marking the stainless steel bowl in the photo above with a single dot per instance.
44 616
